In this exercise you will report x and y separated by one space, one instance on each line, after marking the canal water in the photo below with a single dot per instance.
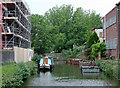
68 75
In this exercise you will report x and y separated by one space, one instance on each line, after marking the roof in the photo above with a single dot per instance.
113 8
96 28
118 3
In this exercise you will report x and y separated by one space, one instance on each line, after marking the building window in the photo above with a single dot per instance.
101 35
111 44
110 22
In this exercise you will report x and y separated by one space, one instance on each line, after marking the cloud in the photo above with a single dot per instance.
100 6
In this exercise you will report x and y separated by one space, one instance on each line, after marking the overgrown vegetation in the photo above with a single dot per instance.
110 67
73 53
13 76
36 58
61 28
94 47
92 40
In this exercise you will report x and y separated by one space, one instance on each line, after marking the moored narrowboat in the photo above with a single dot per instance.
46 63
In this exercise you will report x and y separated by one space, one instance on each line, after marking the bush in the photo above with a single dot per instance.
98 47
24 70
77 50
93 40
32 66
95 50
87 52
110 67
68 53
103 49
36 58
21 72
14 80
75 53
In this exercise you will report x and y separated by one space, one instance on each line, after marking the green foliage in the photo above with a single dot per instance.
110 67
36 58
98 47
61 28
68 53
39 34
103 49
22 70
77 50
17 74
92 40
95 50
73 53
32 66
87 52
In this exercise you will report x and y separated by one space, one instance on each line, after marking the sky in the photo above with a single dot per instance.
101 7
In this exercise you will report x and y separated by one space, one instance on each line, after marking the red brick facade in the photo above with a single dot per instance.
110 23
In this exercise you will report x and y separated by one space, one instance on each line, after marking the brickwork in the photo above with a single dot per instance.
111 31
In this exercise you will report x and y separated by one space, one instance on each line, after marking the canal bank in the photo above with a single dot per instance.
68 75
110 67
14 75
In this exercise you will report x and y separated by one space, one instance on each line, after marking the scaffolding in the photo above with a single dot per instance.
16 26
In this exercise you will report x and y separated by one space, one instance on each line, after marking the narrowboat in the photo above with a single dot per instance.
46 63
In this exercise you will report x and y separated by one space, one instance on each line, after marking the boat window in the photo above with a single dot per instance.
41 61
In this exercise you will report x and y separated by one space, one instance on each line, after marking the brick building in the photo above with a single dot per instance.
111 26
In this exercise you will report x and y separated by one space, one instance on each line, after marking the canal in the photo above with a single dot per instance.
68 75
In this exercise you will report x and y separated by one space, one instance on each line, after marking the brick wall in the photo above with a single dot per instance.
111 32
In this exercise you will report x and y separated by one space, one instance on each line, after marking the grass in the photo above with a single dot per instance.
8 69
9 63
13 75
7 72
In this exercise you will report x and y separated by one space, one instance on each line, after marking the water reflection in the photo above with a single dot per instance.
91 75
67 75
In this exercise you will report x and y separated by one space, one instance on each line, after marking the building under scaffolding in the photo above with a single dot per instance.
15 24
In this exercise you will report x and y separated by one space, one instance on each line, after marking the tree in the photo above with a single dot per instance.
92 40
61 28
39 34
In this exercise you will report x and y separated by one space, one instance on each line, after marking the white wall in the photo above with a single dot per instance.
98 33
22 54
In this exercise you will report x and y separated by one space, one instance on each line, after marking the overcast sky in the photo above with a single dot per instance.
101 7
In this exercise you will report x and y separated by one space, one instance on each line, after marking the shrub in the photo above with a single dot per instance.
14 80
68 53
87 52
103 49
32 66
116 71
95 50
77 50
110 67
36 58
75 53
92 40
98 47
22 70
